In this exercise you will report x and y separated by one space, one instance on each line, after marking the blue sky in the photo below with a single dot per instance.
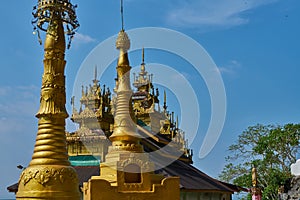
254 43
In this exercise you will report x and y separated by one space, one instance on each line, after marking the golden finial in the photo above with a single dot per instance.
255 190
123 42
254 177
123 45
143 63
95 81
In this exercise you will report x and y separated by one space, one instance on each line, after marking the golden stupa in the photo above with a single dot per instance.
49 174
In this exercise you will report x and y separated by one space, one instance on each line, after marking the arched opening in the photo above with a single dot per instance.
132 174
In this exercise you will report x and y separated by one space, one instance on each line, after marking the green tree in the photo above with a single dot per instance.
271 148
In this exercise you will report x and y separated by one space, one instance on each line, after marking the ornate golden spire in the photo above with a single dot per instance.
143 72
95 81
254 177
95 74
255 190
127 171
143 78
125 132
49 174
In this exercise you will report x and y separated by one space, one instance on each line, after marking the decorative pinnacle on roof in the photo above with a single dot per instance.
45 10
125 133
143 62
143 78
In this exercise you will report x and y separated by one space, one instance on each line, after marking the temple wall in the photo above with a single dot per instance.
100 189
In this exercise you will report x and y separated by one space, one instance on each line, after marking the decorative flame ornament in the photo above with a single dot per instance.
43 15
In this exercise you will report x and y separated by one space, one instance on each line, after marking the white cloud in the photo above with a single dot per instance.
18 127
230 68
11 126
213 13
4 90
83 39
18 101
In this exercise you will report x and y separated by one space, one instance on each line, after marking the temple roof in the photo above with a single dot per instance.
84 160
192 178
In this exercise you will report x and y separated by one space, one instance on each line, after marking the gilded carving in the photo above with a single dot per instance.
126 147
143 163
50 54
48 79
28 175
123 41
43 175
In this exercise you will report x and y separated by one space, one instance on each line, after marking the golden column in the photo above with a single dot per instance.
255 190
49 174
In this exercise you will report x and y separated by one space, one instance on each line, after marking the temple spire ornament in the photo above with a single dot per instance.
127 172
124 127
143 79
49 174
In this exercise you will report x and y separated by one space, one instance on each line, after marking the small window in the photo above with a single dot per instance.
132 174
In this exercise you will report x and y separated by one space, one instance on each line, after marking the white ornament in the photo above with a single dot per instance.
295 168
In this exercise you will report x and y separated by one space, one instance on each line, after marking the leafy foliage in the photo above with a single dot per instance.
272 149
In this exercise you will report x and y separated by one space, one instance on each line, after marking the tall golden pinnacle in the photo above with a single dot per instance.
125 135
49 174
127 171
